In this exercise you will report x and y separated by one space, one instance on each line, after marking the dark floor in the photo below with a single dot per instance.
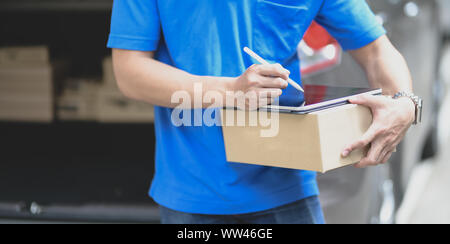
54 164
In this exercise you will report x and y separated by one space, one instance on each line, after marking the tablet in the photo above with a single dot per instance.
319 97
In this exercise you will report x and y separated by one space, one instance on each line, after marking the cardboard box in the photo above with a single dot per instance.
20 55
26 109
26 80
26 92
307 142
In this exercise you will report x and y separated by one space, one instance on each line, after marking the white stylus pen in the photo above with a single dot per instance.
262 61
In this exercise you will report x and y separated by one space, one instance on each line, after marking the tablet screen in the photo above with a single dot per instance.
318 93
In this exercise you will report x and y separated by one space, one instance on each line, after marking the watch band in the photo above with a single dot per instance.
418 102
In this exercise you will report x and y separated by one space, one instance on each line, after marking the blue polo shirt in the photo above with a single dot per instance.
206 37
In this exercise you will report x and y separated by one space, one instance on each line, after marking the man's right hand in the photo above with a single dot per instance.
142 78
259 85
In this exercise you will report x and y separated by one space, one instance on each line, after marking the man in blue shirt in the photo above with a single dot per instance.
161 47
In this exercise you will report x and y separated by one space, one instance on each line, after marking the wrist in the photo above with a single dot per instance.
409 106
418 105
229 91
223 86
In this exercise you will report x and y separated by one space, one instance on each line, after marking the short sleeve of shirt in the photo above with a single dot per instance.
351 22
135 25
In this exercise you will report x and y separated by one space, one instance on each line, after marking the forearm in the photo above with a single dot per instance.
391 73
140 77
385 67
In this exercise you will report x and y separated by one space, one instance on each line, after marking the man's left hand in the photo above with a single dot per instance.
391 120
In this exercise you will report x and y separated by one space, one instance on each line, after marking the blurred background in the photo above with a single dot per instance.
74 149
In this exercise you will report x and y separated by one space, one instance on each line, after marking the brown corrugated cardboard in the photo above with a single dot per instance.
308 142
28 109
25 72
26 84
26 80
20 55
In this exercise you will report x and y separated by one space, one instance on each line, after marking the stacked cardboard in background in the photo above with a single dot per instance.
26 84
114 107
101 101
